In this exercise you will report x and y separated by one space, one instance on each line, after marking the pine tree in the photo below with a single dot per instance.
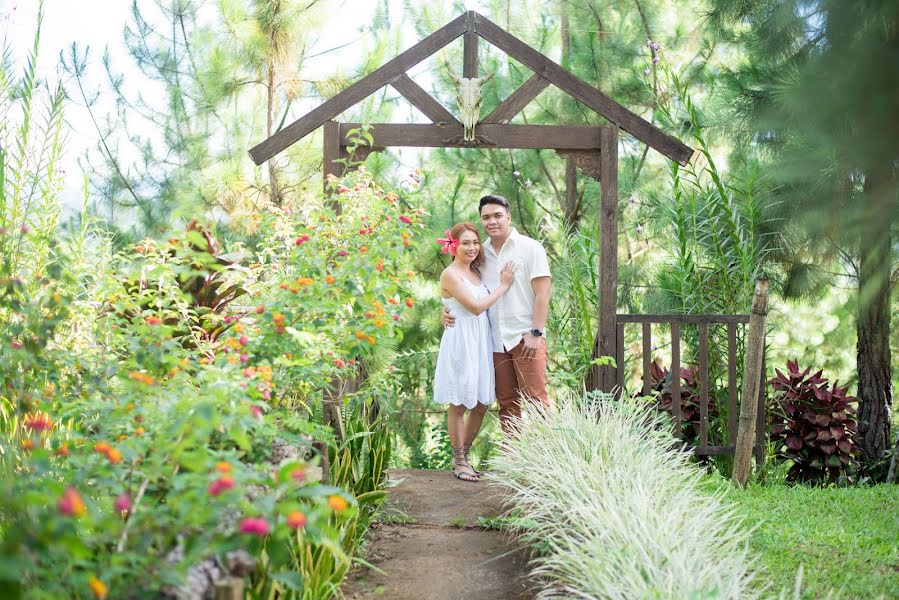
818 95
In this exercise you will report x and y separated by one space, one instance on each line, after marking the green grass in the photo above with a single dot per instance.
846 539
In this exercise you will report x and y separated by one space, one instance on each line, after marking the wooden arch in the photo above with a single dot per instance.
594 149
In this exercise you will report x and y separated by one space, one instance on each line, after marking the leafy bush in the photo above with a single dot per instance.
637 523
815 424
689 402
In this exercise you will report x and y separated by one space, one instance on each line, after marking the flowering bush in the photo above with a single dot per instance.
816 424
338 289
167 460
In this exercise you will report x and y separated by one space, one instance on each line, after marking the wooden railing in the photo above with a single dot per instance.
703 321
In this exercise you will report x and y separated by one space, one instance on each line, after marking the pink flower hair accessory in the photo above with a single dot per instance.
448 244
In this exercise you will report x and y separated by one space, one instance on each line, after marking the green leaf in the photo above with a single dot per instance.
292 580
240 437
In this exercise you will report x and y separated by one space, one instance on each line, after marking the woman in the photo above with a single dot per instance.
464 377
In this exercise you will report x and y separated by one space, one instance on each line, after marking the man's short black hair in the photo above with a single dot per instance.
493 199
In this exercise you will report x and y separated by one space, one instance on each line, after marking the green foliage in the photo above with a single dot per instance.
843 539
606 463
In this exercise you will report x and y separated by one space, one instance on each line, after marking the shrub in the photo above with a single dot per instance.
636 524
689 400
815 424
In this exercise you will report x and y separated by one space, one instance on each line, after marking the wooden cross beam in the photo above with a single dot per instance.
472 25
418 135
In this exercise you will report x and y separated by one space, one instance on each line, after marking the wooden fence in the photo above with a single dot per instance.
704 447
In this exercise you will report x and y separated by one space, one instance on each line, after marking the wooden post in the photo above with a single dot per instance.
470 49
330 153
229 588
752 366
608 252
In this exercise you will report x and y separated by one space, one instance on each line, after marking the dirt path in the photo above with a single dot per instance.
429 547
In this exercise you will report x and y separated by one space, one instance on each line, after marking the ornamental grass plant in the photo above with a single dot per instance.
618 513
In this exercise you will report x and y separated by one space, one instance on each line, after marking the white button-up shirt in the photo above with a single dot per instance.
513 315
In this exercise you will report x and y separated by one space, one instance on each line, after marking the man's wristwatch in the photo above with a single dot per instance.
536 332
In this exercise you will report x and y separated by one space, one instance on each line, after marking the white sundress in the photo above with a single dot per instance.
465 359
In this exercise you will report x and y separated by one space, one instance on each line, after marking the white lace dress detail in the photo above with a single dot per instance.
465 360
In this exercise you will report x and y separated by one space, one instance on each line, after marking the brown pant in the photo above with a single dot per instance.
518 377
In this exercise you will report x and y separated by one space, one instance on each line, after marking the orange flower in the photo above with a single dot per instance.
363 249
369 314
410 302
296 519
151 320
393 300
223 467
371 340
140 431
63 450
378 323
329 279
97 587
360 335
278 319
28 444
102 448
304 281
337 503
284 285
141 378
114 456
380 265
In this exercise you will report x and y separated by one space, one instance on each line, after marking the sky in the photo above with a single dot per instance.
100 24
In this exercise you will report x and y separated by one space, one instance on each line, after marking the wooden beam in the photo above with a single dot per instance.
423 101
608 250
683 319
470 48
580 90
359 90
418 135
330 153
516 102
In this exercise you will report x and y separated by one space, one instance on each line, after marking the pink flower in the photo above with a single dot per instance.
302 239
256 410
406 219
71 504
342 253
16 345
396 317
342 189
254 526
266 394
243 341
340 364
298 475
225 482
123 503
228 319
244 358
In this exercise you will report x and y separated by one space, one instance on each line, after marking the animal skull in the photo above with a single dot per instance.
468 95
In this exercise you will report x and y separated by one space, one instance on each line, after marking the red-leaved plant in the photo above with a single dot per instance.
689 399
816 425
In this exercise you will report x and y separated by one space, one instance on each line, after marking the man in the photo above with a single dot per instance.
518 319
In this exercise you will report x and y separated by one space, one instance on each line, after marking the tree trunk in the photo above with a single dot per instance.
875 385
275 188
